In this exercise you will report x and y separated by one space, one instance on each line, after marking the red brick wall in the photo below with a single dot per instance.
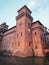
8 42
25 39
36 41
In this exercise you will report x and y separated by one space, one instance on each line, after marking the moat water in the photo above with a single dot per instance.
23 61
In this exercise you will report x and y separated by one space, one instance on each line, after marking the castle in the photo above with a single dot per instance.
27 38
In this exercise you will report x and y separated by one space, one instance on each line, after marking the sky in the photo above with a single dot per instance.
9 8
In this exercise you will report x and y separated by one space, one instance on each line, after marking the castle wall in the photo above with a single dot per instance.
47 40
36 41
28 37
8 42
36 24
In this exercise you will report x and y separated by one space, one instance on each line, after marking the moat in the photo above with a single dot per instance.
6 60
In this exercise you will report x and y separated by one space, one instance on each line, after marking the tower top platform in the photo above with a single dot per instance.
24 9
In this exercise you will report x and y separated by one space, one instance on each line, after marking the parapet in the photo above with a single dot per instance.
24 9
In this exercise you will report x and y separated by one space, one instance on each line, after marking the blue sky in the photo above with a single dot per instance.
9 8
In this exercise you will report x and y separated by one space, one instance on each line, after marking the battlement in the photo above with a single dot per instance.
24 9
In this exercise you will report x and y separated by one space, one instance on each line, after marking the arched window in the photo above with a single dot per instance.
35 33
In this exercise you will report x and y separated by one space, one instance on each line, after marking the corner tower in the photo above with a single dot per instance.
38 38
23 32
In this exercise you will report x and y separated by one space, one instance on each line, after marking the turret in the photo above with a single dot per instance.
3 28
23 32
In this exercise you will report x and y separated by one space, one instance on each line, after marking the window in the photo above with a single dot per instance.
36 47
35 33
12 44
21 33
29 43
18 43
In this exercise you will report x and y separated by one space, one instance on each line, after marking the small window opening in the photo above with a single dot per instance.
21 33
29 43
36 47
18 43
35 33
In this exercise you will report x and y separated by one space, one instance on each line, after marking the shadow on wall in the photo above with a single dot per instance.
47 55
5 52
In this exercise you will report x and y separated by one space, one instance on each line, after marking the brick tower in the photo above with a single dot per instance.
23 33
38 38
3 28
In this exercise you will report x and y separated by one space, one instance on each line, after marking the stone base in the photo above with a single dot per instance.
24 53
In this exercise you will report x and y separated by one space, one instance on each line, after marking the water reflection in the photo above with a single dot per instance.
23 61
